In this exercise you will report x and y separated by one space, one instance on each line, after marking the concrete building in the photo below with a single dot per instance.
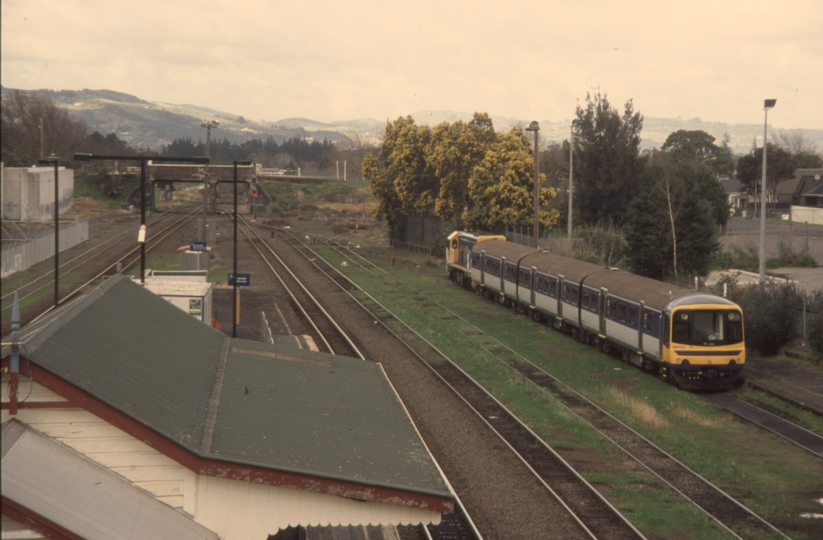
28 192
244 438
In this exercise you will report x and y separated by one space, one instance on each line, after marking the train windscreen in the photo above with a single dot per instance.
707 327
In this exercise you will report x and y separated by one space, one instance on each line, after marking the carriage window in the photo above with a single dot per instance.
570 294
633 316
553 288
525 276
621 312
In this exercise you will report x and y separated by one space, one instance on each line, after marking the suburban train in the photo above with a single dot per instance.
691 339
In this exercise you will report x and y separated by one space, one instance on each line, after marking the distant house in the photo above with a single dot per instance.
737 196
803 189
158 420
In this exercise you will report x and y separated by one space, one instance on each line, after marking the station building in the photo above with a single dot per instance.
128 414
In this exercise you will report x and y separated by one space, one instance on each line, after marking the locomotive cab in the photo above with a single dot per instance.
704 346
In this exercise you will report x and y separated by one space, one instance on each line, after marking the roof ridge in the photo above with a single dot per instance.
214 399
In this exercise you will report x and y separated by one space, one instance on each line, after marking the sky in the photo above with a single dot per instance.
328 61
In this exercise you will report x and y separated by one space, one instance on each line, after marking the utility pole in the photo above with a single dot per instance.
571 179
208 124
767 104
535 127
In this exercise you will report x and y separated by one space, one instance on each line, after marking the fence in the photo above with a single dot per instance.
412 248
801 214
21 254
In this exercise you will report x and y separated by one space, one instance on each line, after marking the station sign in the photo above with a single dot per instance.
243 280
197 246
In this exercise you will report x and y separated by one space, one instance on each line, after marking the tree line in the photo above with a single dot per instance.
669 203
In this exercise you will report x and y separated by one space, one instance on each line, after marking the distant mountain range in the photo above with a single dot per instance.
146 124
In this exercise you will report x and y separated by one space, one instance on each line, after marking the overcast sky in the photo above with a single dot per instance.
344 59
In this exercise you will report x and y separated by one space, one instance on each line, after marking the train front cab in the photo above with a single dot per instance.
459 247
703 345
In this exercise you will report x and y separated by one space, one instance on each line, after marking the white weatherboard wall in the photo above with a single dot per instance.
234 509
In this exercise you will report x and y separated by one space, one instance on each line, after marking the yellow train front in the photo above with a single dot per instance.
691 339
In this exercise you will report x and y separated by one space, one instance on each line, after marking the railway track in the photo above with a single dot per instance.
455 526
87 267
594 515
802 437
729 513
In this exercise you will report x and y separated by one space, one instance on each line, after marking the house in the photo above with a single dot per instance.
801 189
243 438
737 196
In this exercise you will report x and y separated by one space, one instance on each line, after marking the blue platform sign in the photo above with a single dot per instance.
197 246
243 280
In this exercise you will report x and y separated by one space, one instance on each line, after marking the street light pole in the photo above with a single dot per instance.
571 178
53 161
535 127
767 104
234 297
141 235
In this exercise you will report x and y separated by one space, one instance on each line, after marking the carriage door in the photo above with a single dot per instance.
560 280
604 292
640 327
503 275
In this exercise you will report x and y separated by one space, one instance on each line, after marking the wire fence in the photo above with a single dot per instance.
17 255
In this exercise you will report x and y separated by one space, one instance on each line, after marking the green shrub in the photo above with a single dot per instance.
769 315
439 246
815 330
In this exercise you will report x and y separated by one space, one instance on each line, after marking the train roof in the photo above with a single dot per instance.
500 248
557 265
654 294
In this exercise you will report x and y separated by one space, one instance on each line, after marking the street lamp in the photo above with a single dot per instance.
52 160
141 235
535 127
571 179
234 298
767 104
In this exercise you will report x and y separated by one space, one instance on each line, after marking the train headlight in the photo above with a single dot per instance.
686 361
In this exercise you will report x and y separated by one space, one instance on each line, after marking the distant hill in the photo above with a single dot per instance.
146 124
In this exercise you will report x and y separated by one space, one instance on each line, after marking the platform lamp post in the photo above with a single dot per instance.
767 104
234 297
141 234
52 160
535 127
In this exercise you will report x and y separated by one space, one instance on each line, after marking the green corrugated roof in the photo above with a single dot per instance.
274 407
